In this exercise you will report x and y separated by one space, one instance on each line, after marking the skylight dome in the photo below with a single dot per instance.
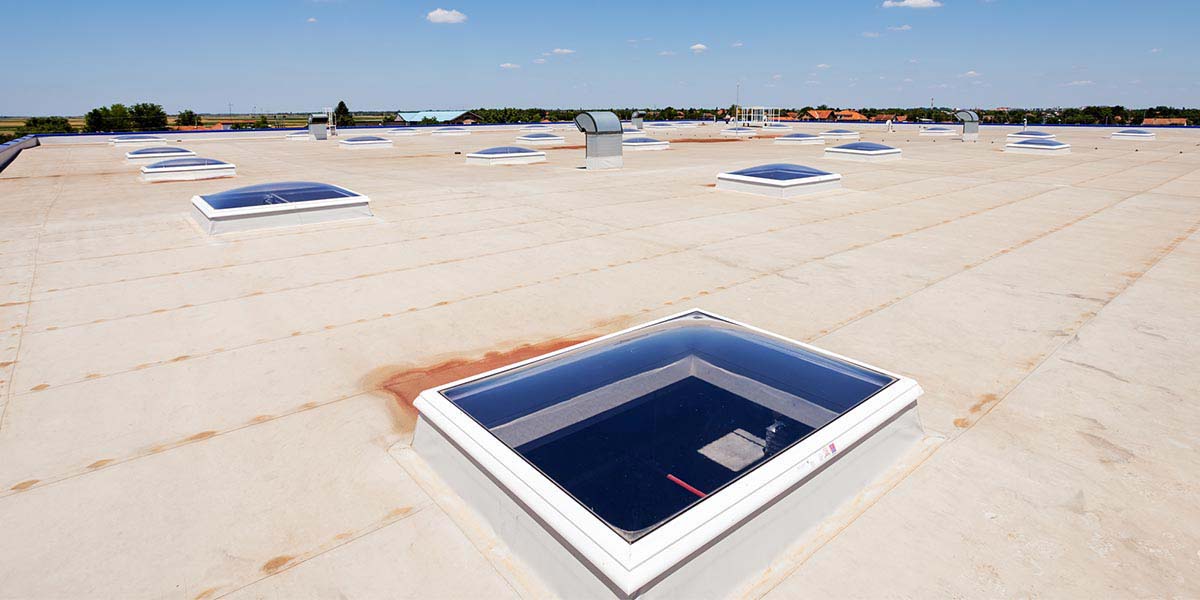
277 204
780 180
863 151
505 155
800 139
540 138
451 131
366 141
644 143
1038 146
187 169
840 134
739 131
938 131
1031 134
1134 134
403 131
136 139
157 153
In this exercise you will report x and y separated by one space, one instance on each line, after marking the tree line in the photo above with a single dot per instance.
146 116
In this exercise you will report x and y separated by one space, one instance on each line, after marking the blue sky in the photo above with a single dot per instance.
295 55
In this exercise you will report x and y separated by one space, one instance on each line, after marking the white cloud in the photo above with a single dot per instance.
777 77
1155 50
562 51
822 66
870 34
539 61
970 74
666 53
812 82
1080 82
913 61
509 66
441 15
312 19
908 80
737 45
900 28
911 3
697 48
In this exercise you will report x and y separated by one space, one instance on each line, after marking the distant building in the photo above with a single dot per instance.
817 115
457 117
885 117
1165 121
849 115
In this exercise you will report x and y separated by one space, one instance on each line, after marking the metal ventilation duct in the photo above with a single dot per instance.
602 131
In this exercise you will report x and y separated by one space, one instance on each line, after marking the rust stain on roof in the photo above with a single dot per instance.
24 485
406 383
275 564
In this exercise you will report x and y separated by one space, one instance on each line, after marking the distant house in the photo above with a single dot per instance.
817 115
457 117
1165 121
849 115
884 117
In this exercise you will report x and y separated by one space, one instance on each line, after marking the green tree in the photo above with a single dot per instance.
46 125
108 118
148 117
262 122
187 118
342 117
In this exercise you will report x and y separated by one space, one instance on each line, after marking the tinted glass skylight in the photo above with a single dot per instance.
937 129
159 150
539 136
865 146
366 138
737 129
451 129
186 162
1036 142
781 172
1031 133
643 426
506 150
642 140
799 135
134 138
1135 131
275 193
839 131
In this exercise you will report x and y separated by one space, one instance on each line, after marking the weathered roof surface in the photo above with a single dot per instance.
186 416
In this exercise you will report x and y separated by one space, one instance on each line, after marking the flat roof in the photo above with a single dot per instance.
201 416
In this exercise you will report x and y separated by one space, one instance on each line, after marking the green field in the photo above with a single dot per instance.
10 125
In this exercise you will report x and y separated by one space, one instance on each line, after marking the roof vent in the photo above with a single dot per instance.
602 131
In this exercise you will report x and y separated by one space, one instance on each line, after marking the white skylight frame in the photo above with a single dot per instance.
856 152
1143 136
555 139
1024 135
225 213
379 143
157 156
850 135
630 566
